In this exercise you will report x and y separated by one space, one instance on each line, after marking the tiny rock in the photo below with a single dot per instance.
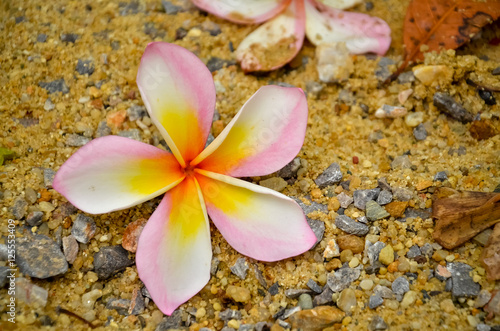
428 75
447 104
387 111
110 260
316 319
238 294
377 324
386 255
401 162
334 62
344 200
240 268
462 282
290 170
332 250
132 233
400 285
404 95
420 132
375 212
361 197
347 224
31 293
70 248
330 176
274 183
342 278
352 242
84 228
347 300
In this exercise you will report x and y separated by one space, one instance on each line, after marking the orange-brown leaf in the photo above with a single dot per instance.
444 24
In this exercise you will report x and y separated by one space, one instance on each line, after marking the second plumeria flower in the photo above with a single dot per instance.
174 250
277 42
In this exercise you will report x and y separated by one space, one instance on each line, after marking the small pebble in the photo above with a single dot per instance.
238 294
30 293
240 268
414 119
330 176
58 85
89 298
387 111
384 197
85 67
70 248
447 104
132 233
419 132
345 200
374 301
347 224
386 255
332 250
347 300
378 324
109 260
366 284
120 305
305 301
400 285
75 140
34 218
401 162
375 212
84 228
342 278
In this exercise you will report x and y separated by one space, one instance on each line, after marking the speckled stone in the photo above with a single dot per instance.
384 197
375 301
400 285
330 176
83 228
110 260
347 224
40 257
462 283
342 278
345 200
361 197
120 305
240 268
413 252
70 248
375 212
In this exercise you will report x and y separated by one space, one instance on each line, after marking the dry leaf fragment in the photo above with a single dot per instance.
444 24
491 255
462 215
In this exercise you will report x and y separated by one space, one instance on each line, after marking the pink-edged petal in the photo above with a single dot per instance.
262 138
174 250
341 4
179 93
361 33
243 11
113 173
276 42
256 221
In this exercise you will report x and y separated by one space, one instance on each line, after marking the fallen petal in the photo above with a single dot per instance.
256 221
361 33
174 251
179 93
276 42
243 12
113 173
262 138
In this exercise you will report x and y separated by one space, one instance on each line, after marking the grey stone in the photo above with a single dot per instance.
246 327
3 252
361 197
58 85
48 105
170 8
40 257
282 84
137 304
413 252
131 134
373 250
441 176
314 286
342 278
401 162
375 212
103 130
75 140
34 218
427 249
30 293
262 326
274 289
313 206
305 301
373 268
375 301
324 298
57 235
419 132
462 283
402 194
214 266
347 224
230 314
318 227
314 89
120 305
483 327
83 228
482 299
384 197
136 112
448 285
330 176
215 63
496 71
260 276
4 273
345 200
85 67
295 293
227 328
48 177
211 27
383 72
289 312
377 324
19 208
41 38
418 213
70 248
70 37
110 260
362 219
383 292
290 170
400 285
406 77
383 185
447 104
240 268
284 325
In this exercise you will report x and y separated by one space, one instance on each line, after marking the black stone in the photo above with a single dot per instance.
180 33
447 104
40 257
110 260
487 96
69 37
58 85
85 67
496 71
216 63
273 289
462 283
34 218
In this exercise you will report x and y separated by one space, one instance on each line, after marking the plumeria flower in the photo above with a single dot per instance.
174 250
277 42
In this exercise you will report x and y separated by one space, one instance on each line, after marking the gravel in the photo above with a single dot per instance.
447 104
240 268
110 260
332 175
342 278
419 132
83 228
347 224
462 283
58 85
361 197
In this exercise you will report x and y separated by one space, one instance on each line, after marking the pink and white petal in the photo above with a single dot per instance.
174 251
243 11
256 221
113 173
266 134
340 4
276 42
361 33
179 93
